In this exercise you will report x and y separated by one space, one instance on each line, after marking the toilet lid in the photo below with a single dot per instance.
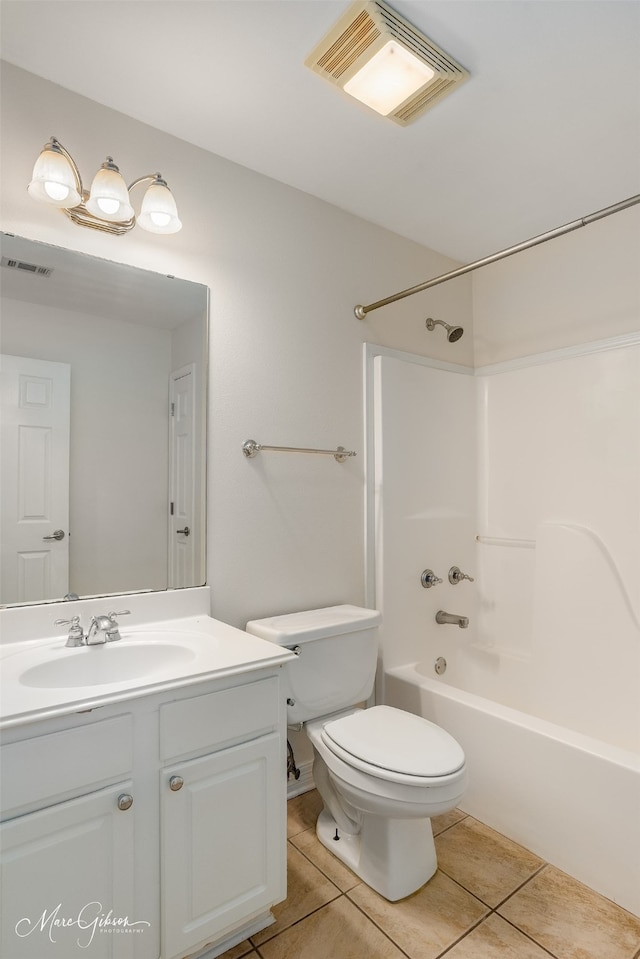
396 741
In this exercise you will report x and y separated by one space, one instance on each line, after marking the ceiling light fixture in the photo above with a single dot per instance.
107 205
376 56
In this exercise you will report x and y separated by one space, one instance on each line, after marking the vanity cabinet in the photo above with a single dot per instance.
60 820
152 834
223 831
55 900
220 851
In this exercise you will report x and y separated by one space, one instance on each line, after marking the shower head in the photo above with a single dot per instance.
453 332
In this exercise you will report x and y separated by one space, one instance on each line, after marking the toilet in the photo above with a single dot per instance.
381 772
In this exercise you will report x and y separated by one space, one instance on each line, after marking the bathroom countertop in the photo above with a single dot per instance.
208 649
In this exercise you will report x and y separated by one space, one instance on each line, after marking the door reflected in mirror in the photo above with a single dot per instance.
103 419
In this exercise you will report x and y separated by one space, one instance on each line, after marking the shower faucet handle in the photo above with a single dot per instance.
456 576
429 579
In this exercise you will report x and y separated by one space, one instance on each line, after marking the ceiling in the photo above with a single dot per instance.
96 287
546 130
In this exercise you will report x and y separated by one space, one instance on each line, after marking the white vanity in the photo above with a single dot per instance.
143 816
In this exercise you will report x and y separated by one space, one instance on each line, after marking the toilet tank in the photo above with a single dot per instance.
337 655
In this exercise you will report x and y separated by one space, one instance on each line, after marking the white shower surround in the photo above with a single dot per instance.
540 689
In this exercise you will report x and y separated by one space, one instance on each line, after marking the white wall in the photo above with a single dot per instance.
578 288
285 271
119 375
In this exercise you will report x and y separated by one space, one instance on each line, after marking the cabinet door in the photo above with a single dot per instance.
67 881
224 843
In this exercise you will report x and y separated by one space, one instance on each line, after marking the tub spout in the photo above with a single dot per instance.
452 618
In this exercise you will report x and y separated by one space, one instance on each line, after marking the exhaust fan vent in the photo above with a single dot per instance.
32 268
365 28
350 45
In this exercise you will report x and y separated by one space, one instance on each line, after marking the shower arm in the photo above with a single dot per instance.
361 311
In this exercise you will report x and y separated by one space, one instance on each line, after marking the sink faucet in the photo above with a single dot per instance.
102 629
99 628
452 618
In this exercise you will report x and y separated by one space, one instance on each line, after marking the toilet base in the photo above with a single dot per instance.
393 856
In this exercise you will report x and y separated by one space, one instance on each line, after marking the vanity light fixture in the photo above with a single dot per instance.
378 57
106 206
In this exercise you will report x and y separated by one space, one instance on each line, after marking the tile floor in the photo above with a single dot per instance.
490 899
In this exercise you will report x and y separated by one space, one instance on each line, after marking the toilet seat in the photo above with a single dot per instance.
396 746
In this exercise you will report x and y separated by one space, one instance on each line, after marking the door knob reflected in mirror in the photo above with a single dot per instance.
186 531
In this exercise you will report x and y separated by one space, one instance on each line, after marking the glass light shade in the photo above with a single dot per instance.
53 180
159 213
392 75
109 197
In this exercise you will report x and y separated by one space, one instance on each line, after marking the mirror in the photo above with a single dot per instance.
103 418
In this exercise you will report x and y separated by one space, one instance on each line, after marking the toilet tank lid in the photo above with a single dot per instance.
292 628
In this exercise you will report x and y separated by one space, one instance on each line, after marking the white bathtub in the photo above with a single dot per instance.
571 799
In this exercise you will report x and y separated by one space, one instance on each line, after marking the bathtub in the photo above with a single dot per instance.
571 799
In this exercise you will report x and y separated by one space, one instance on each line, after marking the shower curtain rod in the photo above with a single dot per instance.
361 311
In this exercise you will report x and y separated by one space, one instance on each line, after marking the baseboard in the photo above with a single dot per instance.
295 787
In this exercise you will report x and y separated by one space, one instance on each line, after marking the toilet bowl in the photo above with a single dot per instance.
381 772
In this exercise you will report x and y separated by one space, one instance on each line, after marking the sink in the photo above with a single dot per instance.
107 663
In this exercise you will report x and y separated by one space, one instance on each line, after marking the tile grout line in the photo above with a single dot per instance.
475 896
502 901
494 911
379 928
527 936
523 884
445 829
323 873
297 921
463 936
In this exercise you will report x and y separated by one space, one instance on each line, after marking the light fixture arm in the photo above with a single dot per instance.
59 148
150 177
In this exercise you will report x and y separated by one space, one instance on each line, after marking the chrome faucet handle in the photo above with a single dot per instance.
429 579
113 633
76 635
456 576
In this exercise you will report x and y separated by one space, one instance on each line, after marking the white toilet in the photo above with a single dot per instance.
381 772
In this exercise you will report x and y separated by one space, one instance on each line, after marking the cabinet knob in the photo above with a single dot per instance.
125 801
176 783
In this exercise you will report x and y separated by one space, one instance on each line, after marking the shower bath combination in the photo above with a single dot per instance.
453 332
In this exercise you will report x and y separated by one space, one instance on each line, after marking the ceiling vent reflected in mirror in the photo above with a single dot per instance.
31 268
378 57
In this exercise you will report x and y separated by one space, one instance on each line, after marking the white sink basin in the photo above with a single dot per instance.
106 664
42 677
